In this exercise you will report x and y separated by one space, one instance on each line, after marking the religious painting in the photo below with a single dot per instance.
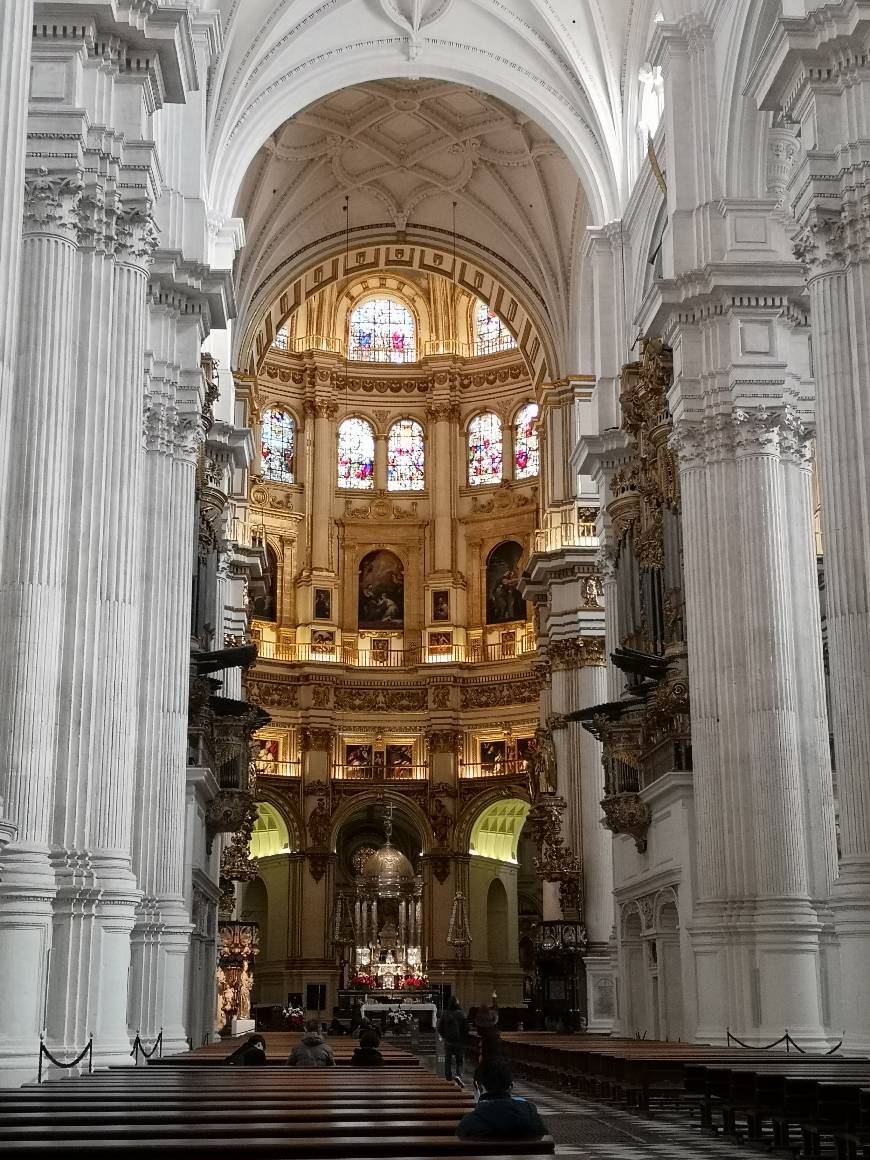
440 643
400 760
441 604
503 600
381 590
268 756
322 641
322 604
492 757
358 759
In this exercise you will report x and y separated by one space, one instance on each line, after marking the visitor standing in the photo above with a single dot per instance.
453 1028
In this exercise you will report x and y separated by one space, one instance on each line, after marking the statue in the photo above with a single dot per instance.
543 778
319 824
442 823
246 982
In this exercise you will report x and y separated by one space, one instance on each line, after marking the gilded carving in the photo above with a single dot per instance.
443 740
627 813
321 696
316 739
441 697
497 695
576 653
273 694
393 699
319 824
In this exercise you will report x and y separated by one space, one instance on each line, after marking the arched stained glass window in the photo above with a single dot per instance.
356 454
484 449
278 445
382 330
405 467
527 453
490 333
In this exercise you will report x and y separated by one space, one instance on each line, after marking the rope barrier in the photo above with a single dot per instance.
44 1053
786 1039
139 1048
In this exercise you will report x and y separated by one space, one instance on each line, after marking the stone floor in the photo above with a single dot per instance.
594 1131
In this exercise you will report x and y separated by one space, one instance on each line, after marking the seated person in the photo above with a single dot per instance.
372 1028
499 1115
367 1054
252 1053
311 1051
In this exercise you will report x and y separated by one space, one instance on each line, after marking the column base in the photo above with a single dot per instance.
759 973
850 904
600 994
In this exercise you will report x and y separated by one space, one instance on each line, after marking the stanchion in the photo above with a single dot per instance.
44 1053
139 1048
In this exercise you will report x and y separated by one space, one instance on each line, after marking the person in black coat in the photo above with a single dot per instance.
367 1054
499 1115
252 1053
453 1027
486 1025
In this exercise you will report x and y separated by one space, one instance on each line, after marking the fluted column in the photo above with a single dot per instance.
95 767
16 21
839 300
32 598
763 857
441 484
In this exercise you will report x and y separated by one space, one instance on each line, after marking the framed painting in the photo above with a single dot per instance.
492 757
358 760
400 760
440 605
322 604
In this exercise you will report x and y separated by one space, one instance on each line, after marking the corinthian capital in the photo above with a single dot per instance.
189 437
136 235
822 243
158 421
51 203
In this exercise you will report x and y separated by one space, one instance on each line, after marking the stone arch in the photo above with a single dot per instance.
286 812
402 805
480 272
478 804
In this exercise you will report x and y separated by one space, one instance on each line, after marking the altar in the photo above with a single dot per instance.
424 1013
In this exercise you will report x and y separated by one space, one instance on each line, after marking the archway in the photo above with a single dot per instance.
498 939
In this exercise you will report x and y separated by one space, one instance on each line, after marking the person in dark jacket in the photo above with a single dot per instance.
499 1115
311 1051
486 1025
367 1054
252 1053
356 1016
453 1027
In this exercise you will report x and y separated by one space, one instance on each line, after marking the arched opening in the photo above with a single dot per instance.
266 604
497 939
670 973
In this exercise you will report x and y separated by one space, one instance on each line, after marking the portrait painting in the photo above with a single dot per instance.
492 756
440 642
441 604
527 747
358 758
381 590
268 755
503 600
322 641
400 760
322 604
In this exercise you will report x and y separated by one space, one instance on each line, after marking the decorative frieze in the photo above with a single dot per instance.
497 695
273 694
577 653
373 699
317 739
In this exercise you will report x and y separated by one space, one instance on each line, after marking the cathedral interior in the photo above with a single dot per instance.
434 543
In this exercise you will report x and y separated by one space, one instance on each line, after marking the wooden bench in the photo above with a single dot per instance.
196 1109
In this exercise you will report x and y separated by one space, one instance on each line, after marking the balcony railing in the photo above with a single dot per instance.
278 768
512 767
368 658
567 535
380 772
247 533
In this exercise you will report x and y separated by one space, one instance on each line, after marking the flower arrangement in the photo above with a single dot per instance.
413 982
295 1016
400 1021
363 982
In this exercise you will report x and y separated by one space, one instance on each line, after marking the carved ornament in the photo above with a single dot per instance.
628 813
444 740
379 509
318 864
316 739
499 695
440 864
272 694
51 202
393 699
577 653
505 499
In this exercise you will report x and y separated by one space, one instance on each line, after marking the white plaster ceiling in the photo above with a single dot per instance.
403 152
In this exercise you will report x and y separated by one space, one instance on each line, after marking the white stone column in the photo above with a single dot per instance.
32 599
440 482
16 21
96 765
757 932
840 299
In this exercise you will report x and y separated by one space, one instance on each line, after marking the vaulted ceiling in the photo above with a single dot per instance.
403 152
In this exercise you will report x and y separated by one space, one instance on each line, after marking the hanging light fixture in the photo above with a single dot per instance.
458 929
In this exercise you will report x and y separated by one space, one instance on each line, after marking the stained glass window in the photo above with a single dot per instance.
279 342
527 453
405 456
382 330
484 449
278 445
356 454
490 333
